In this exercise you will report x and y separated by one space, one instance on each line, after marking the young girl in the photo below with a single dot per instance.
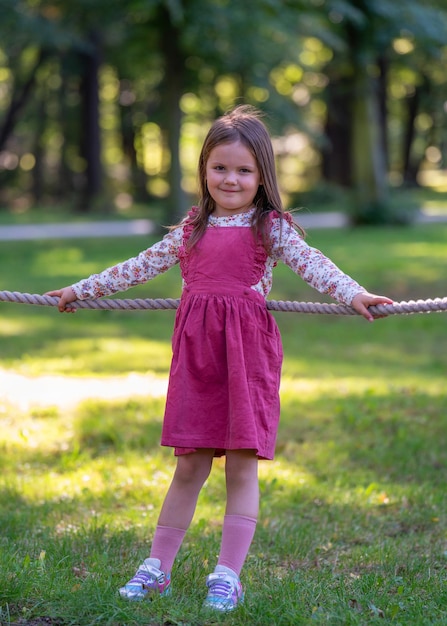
223 395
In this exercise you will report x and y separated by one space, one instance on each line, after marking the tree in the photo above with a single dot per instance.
105 76
34 30
171 35
358 75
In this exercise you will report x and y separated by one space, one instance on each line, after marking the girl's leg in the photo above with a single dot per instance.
179 505
242 509
153 576
224 587
241 474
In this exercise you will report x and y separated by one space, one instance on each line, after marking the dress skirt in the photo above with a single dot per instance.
224 381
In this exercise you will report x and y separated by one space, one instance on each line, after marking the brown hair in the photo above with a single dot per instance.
243 124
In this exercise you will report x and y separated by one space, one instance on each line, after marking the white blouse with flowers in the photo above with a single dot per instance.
286 245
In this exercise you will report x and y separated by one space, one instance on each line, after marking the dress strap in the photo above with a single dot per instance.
188 227
286 215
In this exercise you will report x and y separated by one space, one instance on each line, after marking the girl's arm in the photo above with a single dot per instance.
147 265
320 272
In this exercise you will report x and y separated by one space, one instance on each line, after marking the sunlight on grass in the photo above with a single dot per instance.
40 394
12 327
117 443
422 273
84 356
92 483
117 354
419 250
61 262
39 430
309 390
19 326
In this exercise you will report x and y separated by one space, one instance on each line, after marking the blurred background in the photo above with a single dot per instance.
104 104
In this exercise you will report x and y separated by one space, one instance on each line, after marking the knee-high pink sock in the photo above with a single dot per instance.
165 545
237 535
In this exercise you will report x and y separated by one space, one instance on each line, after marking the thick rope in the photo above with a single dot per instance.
397 308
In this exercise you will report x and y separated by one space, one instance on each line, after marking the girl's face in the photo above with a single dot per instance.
233 178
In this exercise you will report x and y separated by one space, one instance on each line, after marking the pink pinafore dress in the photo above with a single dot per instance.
224 381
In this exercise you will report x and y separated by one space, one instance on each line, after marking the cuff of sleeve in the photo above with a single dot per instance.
78 291
354 294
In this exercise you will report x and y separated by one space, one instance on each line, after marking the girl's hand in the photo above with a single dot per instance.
362 301
65 295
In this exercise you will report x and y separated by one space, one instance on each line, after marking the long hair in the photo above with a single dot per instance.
243 124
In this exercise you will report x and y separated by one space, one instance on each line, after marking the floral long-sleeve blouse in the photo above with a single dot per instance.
286 245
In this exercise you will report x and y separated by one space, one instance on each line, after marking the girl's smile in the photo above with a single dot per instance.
233 178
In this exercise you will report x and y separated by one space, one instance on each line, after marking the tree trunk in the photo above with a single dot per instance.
336 153
410 161
19 100
368 159
90 130
172 91
382 97
65 182
138 177
38 171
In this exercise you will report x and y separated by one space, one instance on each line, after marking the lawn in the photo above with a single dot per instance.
353 526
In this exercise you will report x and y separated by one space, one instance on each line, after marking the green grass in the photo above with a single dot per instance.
352 529
66 213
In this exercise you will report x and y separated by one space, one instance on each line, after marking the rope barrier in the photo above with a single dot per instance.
315 308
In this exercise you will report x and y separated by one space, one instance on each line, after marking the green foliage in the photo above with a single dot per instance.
285 57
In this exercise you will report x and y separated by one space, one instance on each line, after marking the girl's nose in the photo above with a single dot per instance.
231 178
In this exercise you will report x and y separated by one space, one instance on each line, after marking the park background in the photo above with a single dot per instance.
103 109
